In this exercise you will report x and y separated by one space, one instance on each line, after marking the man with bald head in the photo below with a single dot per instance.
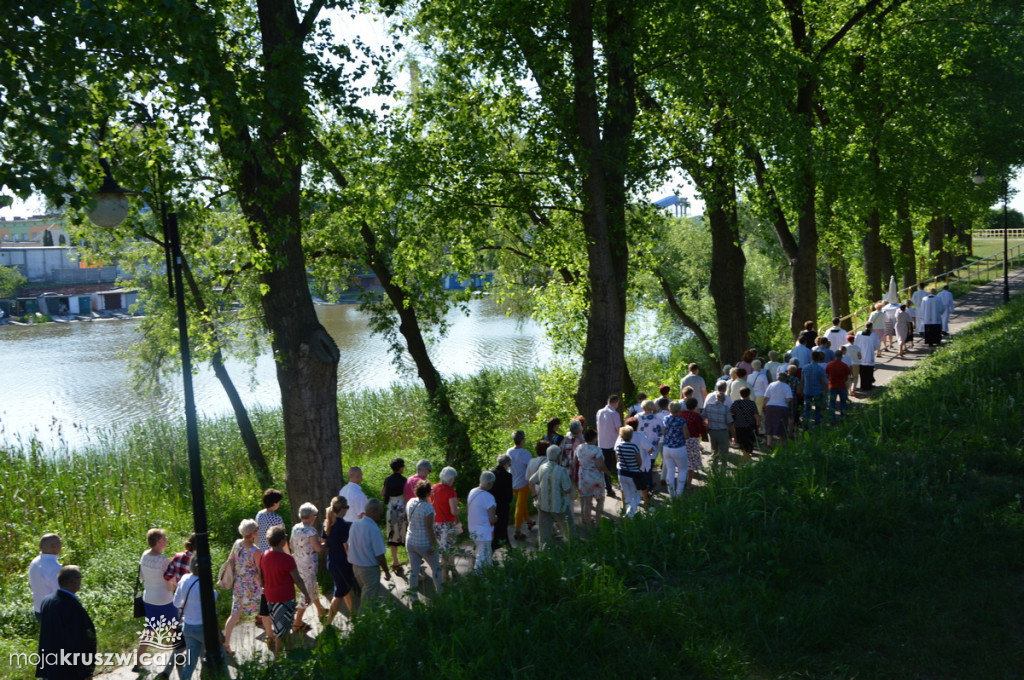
42 572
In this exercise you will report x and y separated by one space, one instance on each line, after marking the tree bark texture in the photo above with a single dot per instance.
872 250
906 263
839 290
264 143
727 284
602 158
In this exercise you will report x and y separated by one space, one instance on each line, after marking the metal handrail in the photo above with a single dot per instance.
990 262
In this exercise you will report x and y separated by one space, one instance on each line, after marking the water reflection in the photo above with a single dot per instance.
63 382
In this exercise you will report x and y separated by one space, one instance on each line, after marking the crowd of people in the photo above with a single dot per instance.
752 402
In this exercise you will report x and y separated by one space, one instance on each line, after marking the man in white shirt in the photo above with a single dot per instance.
917 298
852 357
836 336
354 494
947 302
869 345
608 423
721 386
932 310
42 572
759 382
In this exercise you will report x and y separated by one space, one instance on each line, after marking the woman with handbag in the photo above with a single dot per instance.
158 592
244 562
187 600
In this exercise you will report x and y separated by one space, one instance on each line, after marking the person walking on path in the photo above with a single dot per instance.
481 515
608 423
718 419
421 541
852 352
946 296
931 313
904 329
815 386
503 495
280 577
869 344
66 631
520 460
186 599
779 399
43 571
354 494
366 553
693 379
838 374
835 335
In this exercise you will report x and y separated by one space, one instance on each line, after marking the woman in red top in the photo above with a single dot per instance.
446 515
280 576
695 425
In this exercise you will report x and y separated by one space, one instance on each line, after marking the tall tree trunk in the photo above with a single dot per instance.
935 233
887 265
270 187
727 264
452 432
839 289
602 160
907 261
872 247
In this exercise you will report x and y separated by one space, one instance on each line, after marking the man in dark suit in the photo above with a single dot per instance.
66 631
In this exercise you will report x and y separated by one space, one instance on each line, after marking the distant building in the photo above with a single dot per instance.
679 206
32 230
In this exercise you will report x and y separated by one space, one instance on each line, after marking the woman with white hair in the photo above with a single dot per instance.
446 515
306 546
481 510
245 561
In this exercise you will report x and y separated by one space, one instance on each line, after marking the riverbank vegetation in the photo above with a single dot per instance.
865 549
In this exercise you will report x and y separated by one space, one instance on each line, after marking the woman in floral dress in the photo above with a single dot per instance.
592 470
306 546
245 559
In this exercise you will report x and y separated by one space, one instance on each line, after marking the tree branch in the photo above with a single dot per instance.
688 321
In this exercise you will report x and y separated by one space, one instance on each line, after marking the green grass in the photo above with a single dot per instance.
987 247
889 546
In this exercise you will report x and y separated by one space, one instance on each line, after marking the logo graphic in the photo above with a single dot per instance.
162 633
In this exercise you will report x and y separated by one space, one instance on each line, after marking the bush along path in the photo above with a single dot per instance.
889 546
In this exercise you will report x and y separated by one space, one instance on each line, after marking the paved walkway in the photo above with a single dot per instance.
966 310
248 642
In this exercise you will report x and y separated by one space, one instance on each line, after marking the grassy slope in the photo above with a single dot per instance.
887 547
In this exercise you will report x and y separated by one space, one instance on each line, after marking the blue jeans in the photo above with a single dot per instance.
841 394
193 650
816 400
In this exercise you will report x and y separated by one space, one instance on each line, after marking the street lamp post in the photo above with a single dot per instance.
979 178
111 209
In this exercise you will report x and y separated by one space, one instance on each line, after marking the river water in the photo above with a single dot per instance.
63 382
